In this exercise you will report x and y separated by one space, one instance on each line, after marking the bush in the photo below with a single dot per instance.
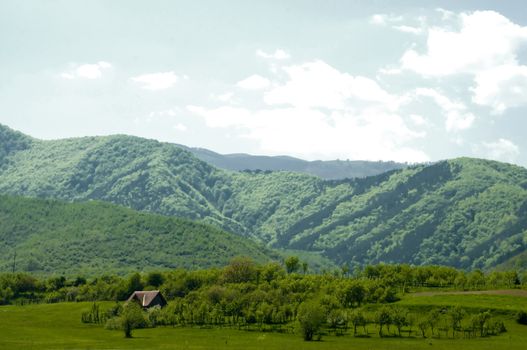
311 316
521 317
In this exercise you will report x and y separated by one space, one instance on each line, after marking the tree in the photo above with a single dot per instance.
240 269
154 279
358 320
433 319
134 283
131 318
292 264
456 316
311 317
399 318
423 325
383 317
479 322
305 267
352 293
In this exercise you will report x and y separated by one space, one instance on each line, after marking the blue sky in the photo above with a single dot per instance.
379 80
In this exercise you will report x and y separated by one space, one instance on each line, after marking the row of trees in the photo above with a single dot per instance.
242 277
311 318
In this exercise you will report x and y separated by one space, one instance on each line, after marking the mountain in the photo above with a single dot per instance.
467 213
329 170
92 238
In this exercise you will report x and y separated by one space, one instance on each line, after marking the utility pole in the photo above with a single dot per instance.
14 262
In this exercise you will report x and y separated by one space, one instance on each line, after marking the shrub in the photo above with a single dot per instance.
521 317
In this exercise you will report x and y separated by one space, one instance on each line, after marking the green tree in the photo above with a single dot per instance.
134 283
400 318
154 279
240 269
311 316
456 316
131 318
357 319
423 325
292 264
383 318
433 319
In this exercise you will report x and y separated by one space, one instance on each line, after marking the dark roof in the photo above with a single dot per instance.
145 298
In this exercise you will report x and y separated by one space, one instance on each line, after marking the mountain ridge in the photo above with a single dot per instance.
465 212
328 170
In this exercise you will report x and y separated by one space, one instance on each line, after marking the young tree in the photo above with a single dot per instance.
357 320
423 325
456 316
311 317
131 318
399 318
383 318
433 319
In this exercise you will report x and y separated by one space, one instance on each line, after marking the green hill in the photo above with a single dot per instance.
96 238
467 213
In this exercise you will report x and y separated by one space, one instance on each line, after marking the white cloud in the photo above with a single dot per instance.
502 150
418 120
379 19
86 71
157 81
382 19
278 54
254 82
445 14
223 97
390 71
501 88
316 111
408 29
484 46
394 22
457 115
485 39
374 134
317 84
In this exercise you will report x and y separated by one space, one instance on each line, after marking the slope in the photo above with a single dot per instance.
468 213
95 237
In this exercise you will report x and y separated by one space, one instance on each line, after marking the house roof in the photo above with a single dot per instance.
145 297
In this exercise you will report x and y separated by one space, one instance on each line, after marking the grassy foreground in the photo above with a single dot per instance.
58 326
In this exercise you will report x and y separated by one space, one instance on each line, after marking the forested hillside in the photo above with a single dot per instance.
90 238
467 213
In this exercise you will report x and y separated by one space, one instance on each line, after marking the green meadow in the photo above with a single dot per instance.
58 326
506 304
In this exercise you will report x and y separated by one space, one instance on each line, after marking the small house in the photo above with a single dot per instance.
148 299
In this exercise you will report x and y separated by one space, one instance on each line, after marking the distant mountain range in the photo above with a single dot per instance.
468 213
329 170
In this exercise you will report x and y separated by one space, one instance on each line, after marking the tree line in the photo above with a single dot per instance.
275 296
288 282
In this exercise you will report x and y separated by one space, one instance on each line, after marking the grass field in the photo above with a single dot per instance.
500 303
58 326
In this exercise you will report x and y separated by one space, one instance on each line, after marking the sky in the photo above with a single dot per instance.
409 81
